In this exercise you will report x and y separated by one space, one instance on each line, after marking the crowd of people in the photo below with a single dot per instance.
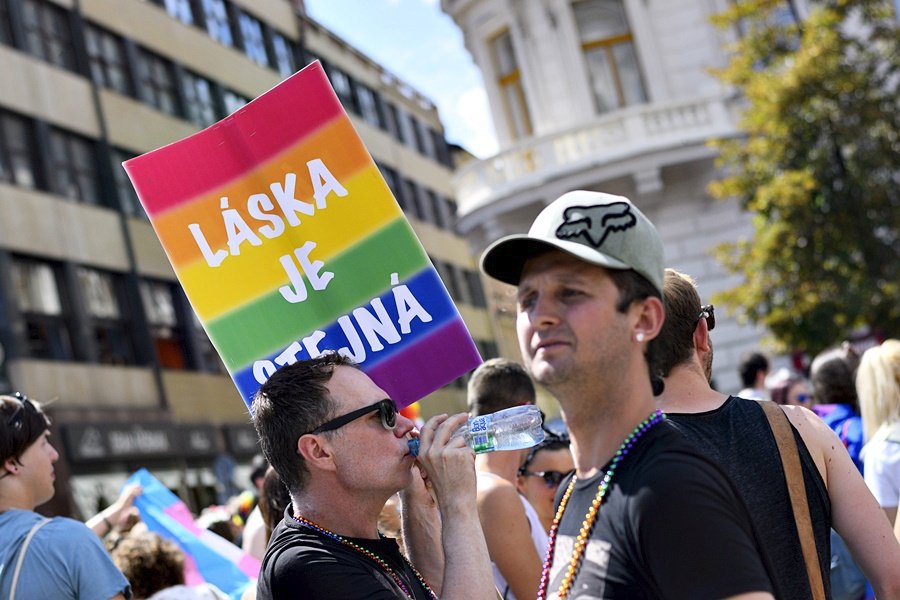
662 486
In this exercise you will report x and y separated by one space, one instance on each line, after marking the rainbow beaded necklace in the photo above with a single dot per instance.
591 516
373 557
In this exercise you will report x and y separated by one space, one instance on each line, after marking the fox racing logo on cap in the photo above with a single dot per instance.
596 222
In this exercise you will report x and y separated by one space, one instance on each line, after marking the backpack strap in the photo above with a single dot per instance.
15 577
790 460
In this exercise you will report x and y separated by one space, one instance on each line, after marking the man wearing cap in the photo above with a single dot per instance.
645 515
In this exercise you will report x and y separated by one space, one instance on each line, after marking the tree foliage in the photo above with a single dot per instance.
817 164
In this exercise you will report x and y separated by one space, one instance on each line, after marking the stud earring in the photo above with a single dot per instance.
639 336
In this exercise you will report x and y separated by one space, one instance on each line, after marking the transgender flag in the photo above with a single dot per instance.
209 557
288 243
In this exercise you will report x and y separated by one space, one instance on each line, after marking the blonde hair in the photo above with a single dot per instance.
878 386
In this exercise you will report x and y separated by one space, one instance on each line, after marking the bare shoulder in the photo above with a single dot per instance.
815 431
820 440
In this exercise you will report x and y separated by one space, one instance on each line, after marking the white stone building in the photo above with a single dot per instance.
607 95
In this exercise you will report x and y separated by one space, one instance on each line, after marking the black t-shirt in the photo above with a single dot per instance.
738 437
303 563
670 526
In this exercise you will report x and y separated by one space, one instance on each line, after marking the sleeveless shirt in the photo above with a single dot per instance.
737 436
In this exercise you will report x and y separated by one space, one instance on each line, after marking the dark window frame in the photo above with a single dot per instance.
56 339
74 167
102 66
156 82
14 152
112 337
51 38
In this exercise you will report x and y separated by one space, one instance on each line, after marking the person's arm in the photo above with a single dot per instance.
104 521
420 523
450 468
856 515
509 539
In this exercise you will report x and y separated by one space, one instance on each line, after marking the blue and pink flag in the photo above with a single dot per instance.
209 557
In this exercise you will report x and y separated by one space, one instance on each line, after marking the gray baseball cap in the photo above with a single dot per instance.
601 229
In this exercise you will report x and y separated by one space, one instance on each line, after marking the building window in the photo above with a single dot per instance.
476 291
128 199
368 106
16 151
5 25
198 98
438 210
37 287
440 144
48 34
165 328
392 180
252 35
156 82
181 10
343 87
106 53
102 294
216 16
426 142
233 102
444 270
283 52
407 129
509 81
389 119
408 193
73 167
208 357
609 51
424 205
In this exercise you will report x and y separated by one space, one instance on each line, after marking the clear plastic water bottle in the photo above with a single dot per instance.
509 429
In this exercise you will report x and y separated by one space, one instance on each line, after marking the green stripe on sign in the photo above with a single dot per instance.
361 273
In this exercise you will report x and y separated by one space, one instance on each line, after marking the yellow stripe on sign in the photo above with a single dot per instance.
257 271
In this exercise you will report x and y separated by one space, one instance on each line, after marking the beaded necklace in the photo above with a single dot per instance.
373 557
588 524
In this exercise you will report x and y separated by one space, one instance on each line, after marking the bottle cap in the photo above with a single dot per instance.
413 446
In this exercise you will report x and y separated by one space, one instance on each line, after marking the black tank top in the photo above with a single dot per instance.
737 436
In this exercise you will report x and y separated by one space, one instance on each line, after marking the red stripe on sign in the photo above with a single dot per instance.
225 151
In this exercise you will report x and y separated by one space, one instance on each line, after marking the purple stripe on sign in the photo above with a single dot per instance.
429 360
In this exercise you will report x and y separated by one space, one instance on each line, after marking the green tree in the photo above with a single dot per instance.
817 165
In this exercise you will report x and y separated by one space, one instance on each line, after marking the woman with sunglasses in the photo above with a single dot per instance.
789 388
545 467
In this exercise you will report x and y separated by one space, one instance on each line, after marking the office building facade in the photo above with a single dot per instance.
91 315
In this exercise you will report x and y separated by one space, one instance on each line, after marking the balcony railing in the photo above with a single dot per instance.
612 138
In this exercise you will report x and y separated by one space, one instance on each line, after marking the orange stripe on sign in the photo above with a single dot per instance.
329 144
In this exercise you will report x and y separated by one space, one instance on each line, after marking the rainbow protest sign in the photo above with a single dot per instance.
288 243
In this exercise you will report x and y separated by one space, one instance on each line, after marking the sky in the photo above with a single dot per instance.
422 46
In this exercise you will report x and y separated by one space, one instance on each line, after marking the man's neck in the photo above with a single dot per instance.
501 464
14 498
344 514
599 422
688 391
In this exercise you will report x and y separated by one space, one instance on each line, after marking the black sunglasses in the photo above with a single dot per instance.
708 312
24 403
386 408
551 478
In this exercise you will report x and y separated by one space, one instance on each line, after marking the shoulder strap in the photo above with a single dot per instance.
15 577
790 460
